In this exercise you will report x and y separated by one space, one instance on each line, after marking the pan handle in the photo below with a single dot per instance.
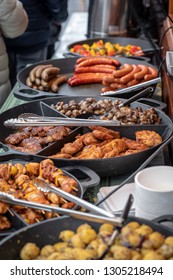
6 151
164 218
28 94
153 103
82 171
69 54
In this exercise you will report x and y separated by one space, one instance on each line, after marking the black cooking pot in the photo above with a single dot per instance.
145 45
47 232
66 66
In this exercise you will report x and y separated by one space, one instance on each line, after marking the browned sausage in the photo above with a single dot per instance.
133 82
107 80
117 86
40 70
127 78
87 78
99 60
140 75
32 73
49 73
126 68
58 81
28 82
106 89
93 69
152 74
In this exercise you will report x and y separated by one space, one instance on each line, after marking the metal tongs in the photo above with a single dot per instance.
56 121
9 198
132 88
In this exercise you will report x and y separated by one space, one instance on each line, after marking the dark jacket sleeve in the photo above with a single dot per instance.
58 9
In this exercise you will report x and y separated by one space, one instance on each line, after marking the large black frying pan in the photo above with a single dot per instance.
116 165
67 68
124 41
84 176
43 107
47 232
103 167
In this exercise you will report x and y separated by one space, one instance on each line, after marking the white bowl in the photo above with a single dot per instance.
154 192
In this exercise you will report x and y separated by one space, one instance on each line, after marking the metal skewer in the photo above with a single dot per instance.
117 221
45 187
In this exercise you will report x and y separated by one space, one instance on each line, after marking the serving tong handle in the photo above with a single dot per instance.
53 121
45 187
117 229
8 198
132 88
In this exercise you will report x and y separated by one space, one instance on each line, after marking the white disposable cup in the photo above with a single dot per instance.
154 192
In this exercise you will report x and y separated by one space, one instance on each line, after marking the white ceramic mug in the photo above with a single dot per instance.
154 192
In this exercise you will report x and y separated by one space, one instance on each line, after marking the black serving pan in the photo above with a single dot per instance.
44 108
116 165
84 176
16 223
47 232
66 66
144 44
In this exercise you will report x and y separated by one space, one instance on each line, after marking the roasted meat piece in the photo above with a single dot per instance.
149 138
4 223
16 138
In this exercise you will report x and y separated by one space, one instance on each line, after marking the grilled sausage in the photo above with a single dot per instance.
28 82
127 78
39 71
49 73
102 60
152 74
32 73
140 75
93 69
126 68
58 81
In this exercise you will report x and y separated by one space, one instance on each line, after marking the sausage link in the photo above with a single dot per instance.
58 81
28 82
32 73
102 60
152 74
49 73
107 80
133 82
140 75
40 70
127 78
126 68
117 86
106 89
93 69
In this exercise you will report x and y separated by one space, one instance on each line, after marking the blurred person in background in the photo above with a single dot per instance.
13 22
56 26
32 46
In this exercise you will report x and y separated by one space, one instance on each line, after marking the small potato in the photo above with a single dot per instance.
121 252
76 241
66 235
60 246
87 235
107 227
144 230
169 240
30 251
152 255
47 250
156 239
82 227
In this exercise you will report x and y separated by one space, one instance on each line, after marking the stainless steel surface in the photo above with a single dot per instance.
45 187
132 88
107 17
69 212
